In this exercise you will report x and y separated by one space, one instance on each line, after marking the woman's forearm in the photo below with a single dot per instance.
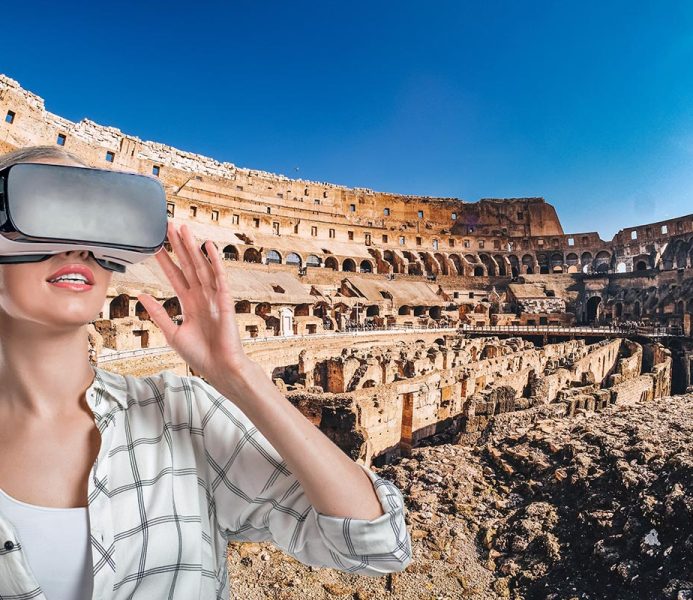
334 484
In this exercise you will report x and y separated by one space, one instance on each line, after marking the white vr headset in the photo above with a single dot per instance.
48 209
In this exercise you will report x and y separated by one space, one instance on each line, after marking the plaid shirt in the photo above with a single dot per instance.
180 473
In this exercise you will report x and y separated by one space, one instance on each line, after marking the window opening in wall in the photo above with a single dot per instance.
665 229
110 156
453 216
481 243
401 240
633 235
156 169
367 239
193 211
269 210
234 219
540 242
554 242
467 244
350 235
316 201
520 215
62 138
679 226
470 229
418 241
386 212
384 239
435 244
313 230
215 215
239 188
306 192
451 243
275 228
648 233
9 117
170 209
296 228
352 207
420 214
571 241
331 233
496 244
324 194
256 222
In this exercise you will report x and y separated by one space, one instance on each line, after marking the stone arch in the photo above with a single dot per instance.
332 263
252 255
514 265
602 261
141 312
413 266
404 310
292 258
302 310
528 264
434 312
500 261
349 265
273 257
586 262
372 310
442 263
119 307
455 260
230 252
172 307
242 307
489 263
313 261
365 266
479 271
431 267
543 262
557 262
592 309
263 309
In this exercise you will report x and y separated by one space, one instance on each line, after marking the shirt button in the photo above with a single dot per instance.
9 545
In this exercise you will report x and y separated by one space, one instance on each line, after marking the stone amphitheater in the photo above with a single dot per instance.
474 352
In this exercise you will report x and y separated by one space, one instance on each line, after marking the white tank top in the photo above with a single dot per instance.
56 545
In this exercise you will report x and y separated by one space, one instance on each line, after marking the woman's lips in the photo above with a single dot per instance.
77 287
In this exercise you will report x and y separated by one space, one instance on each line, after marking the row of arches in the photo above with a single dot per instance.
678 254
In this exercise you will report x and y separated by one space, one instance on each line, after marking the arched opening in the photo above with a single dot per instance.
618 310
373 310
404 310
242 307
636 310
251 255
273 257
478 271
331 263
641 265
119 307
434 312
586 262
592 311
141 312
293 259
349 265
500 261
365 267
172 307
419 310
263 309
602 261
313 261
230 253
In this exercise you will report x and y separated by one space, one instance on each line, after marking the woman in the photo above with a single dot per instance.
113 486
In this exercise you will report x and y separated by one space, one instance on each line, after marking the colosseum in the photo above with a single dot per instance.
401 325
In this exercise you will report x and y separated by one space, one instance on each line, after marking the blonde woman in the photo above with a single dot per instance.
113 486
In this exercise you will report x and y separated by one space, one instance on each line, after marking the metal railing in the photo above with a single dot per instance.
654 331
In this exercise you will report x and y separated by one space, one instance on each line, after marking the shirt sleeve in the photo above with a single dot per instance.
256 497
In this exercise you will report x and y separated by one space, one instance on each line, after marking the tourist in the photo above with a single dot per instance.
116 486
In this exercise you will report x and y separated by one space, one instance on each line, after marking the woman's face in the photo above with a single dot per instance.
26 294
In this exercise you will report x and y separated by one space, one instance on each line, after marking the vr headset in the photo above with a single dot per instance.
48 209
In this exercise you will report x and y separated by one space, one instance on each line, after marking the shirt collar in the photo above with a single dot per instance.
112 384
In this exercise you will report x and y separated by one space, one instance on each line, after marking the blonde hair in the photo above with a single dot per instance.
30 153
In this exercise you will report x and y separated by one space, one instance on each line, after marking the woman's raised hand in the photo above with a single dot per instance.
208 339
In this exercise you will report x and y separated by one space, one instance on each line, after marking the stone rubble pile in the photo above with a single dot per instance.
538 505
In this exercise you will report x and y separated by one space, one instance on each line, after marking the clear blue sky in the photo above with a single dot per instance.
587 104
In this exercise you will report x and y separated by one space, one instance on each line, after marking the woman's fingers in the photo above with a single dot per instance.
199 263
